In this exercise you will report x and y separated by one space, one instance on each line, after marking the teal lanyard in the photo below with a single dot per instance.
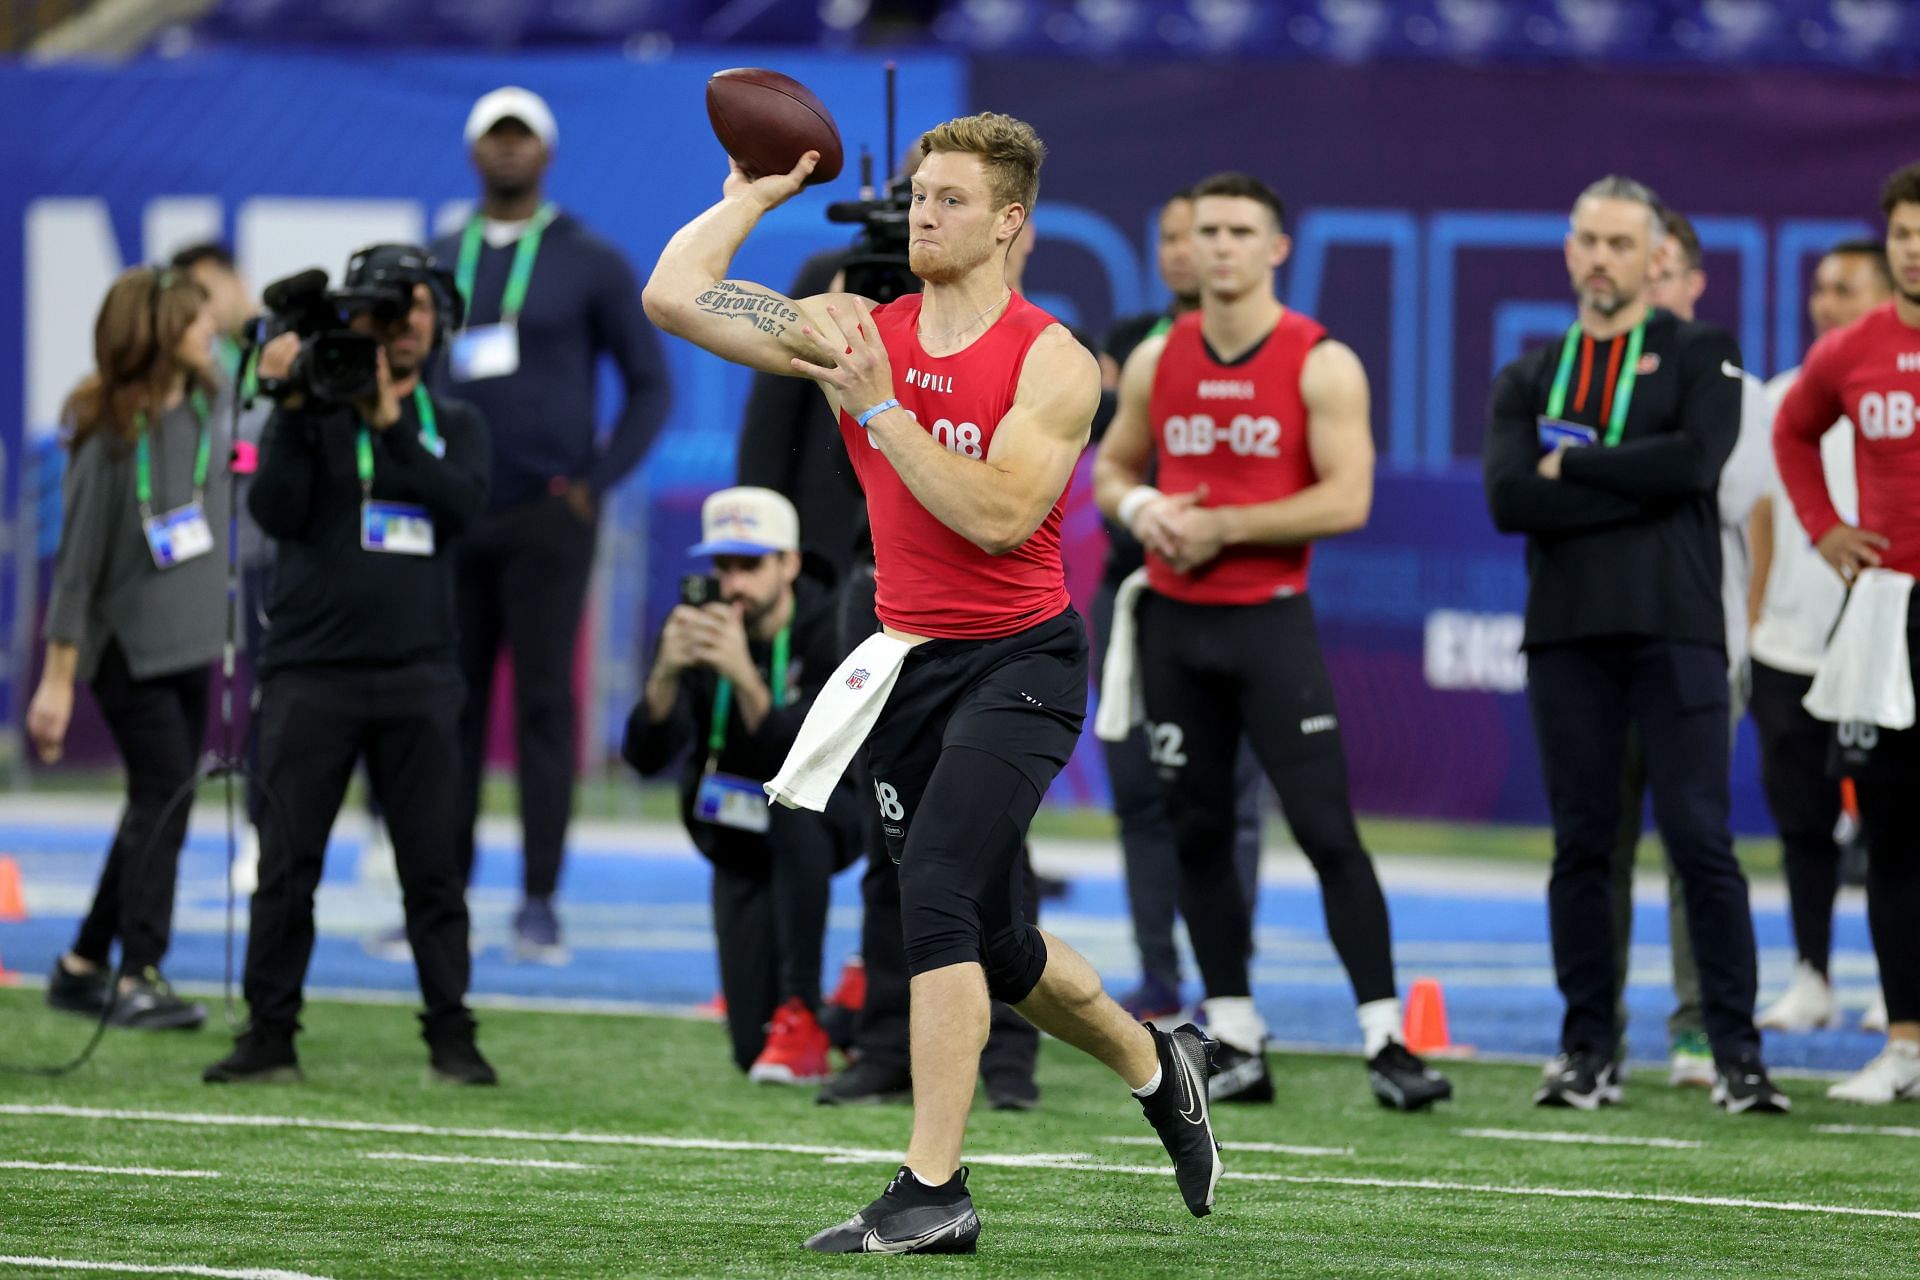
1623 384
519 276
363 447
245 370
723 695
143 459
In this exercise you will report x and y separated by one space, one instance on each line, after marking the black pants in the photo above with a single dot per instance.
1584 696
1216 673
1804 802
315 723
1151 860
882 1033
158 724
521 579
770 914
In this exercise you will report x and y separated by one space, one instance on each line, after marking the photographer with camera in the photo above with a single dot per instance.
135 612
366 481
736 668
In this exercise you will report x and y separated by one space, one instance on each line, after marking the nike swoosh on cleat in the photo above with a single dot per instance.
1195 1110
874 1242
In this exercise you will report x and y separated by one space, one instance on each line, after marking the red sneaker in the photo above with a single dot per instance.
714 1010
796 1050
851 994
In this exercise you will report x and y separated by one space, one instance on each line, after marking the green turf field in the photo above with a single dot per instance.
647 1108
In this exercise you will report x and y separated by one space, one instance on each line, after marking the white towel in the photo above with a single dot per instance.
1122 702
842 716
1865 676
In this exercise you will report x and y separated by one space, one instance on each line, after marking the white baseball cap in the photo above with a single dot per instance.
746 521
513 103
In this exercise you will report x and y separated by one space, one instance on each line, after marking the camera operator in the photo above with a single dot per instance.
735 670
365 492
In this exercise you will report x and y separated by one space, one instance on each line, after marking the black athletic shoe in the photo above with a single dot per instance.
1182 1113
85 993
910 1217
1746 1088
258 1057
864 1084
1401 1080
455 1059
1583 1081
1239 1076
150 1005
1012 1092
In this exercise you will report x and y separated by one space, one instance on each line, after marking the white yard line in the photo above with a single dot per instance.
491 1160
1580 1139
853 1154
1271 1148
123 1171
1875 1130
145 1269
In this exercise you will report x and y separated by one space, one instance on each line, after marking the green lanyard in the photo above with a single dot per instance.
1622 387
246 371
363 447
723 695
143 461
519 276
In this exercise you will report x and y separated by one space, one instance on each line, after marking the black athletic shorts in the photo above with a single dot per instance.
1021 698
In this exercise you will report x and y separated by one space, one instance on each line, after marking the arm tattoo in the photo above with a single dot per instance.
764 311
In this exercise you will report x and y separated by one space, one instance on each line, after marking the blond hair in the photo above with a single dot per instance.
1009 150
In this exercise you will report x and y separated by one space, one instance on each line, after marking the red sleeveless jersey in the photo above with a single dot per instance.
928 580
1241 430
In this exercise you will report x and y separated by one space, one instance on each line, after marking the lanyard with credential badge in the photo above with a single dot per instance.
519 276
723 696
1623 384
143 460
429 433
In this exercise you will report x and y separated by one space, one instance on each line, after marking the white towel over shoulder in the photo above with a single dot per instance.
1865 675
1122 702
842 716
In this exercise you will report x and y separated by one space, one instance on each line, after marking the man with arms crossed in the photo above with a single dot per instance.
964 408
1258 422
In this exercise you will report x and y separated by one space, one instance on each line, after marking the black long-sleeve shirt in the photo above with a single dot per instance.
1627 541
334 602
582 302
813 654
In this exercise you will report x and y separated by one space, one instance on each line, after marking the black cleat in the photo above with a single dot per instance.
83 993
1182 1114
455 1059
1746 1087
910 1217
259 1057
1583 1081
150 1005
1239 1076
864 1084
1402 1081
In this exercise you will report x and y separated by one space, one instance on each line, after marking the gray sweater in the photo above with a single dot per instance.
105 585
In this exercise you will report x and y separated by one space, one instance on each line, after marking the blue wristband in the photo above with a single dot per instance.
876 411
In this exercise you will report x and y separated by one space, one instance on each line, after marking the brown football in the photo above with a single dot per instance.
767 121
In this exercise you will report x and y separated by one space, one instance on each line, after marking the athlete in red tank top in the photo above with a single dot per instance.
929 580
1239 429
966 410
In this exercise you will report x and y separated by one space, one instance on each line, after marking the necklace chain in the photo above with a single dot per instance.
951 334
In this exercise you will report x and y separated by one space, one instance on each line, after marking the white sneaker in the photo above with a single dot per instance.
1875 1018
1894 1074
1690 1062
1807 1004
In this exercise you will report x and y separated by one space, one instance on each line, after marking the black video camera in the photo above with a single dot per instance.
336 365
877 267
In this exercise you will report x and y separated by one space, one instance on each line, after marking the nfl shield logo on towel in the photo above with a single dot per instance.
858 678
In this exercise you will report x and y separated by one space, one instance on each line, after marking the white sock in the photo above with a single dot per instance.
1379 1023
1234 1020
922 1181
1146 1090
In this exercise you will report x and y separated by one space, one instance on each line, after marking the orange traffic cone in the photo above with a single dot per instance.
1426 1029
13 898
